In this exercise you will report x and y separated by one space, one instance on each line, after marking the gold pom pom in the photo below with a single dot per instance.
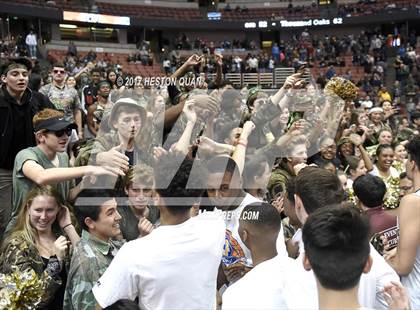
20 290
343 88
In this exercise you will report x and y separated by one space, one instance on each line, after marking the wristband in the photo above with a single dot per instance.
64 227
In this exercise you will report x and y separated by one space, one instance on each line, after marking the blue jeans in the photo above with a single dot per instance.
32 51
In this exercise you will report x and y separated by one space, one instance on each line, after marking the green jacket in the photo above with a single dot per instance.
91 257
278 180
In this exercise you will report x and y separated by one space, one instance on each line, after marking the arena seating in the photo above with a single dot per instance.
133 68
193 14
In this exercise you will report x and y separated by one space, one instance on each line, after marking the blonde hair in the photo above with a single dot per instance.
139 174
44 115
23 225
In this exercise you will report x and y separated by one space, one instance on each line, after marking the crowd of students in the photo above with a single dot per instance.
111 194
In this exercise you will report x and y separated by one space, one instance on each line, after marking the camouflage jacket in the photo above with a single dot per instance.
91 257
23 256
278 180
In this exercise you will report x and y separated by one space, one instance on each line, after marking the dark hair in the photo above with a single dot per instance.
223 129
88 203
325 163
97 70
354 118
370 190
225 82
415 115
34 83
266 216
22 61
228 98
254 167
318 188
413 149
109 71
336 241
177 181
222 164
59 65
382 147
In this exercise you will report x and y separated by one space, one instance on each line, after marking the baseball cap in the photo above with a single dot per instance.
55 124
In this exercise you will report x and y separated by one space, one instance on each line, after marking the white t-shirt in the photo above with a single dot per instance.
393 172
253 63
370 286
263 287
235 249
175 267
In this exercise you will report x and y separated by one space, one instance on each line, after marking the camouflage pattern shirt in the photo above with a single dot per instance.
65 99
91 257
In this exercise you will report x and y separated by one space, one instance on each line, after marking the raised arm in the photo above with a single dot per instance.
357 141
184 141
41 176
192 61
240 151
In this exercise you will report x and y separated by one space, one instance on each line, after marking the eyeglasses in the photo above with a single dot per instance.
60 133
59 71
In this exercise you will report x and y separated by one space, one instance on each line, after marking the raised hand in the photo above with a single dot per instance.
145 227
206 102
249 126
60 247
193 60
113 158
63 217
189 111
278 203
158 152
355 139
292 80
